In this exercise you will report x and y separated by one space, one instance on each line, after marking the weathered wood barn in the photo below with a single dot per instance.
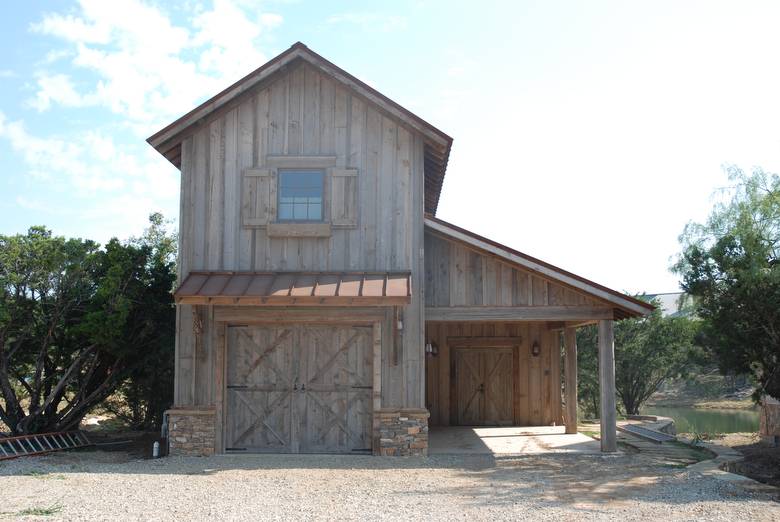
322 307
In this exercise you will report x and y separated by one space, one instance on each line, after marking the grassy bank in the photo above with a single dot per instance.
704 404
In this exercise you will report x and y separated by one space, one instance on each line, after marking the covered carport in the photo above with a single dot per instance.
501 339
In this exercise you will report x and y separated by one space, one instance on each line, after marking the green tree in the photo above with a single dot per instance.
147 392
648 351
588 371
730 265
75 322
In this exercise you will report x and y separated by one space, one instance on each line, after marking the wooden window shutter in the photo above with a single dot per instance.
344 198
258 197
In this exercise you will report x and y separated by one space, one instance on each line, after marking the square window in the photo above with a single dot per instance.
300 195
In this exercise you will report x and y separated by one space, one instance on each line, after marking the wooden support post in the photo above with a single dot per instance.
376 398
219 386
607 386
570 378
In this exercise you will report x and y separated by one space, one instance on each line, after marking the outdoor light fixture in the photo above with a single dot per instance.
536 349
431 349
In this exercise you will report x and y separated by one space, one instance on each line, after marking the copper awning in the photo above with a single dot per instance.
296 288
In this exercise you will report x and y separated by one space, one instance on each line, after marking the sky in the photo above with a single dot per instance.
586 134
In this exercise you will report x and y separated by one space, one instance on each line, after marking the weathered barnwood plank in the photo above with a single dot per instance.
312 105
199 194
295 112
386 219
244 159
216 199
247 315
370 200
230 190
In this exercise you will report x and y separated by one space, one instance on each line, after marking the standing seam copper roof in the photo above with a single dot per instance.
296 288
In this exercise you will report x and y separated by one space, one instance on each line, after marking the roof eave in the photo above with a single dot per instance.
297 50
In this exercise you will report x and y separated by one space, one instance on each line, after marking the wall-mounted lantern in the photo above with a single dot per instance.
536 349
431 349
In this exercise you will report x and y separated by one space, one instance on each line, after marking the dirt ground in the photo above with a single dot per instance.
761 462
101 485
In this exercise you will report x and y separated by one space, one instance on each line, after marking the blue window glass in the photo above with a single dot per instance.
300 195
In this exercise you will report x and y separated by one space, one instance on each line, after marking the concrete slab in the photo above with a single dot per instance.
526 440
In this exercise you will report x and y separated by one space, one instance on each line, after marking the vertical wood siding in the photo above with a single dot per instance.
536 380
304 113
456 275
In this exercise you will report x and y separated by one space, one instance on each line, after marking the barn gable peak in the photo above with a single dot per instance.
168 140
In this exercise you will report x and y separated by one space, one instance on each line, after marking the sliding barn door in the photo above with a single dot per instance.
336 380
294 389
260 379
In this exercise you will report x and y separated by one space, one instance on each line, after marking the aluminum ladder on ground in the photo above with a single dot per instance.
23 445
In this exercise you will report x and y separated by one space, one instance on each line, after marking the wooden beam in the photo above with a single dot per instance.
517 313
478 342
249 315
570 378
578 324
607 386
300 162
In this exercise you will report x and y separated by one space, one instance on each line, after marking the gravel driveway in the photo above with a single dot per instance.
109 486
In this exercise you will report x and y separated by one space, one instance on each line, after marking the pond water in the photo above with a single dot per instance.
689 420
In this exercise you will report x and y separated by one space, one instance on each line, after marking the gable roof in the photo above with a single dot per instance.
168 140
625 306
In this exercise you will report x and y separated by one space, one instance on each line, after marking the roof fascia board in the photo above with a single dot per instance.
224 97
536 267
376 98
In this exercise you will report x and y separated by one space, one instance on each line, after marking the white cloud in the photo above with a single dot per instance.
55 55
91 162
149 69
57 88
228 35
108 187
73 28
370 21
132 59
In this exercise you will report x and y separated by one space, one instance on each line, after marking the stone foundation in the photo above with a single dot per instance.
402 432
191 432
